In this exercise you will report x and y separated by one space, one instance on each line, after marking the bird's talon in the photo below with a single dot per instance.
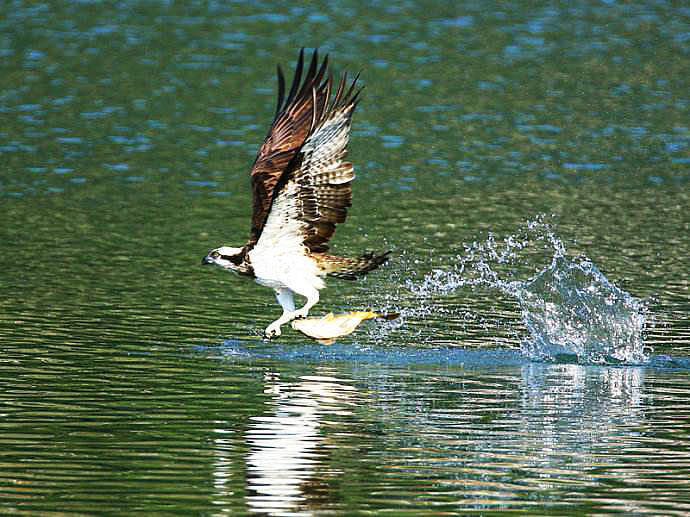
271 332
300 314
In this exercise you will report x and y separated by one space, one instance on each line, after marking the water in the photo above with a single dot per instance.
538 370
569 308
572 308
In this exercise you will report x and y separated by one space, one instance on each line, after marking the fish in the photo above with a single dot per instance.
326 329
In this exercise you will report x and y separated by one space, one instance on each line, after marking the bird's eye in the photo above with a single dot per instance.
215 254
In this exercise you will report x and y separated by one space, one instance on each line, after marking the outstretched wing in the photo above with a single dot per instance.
313 194
323 178
293 122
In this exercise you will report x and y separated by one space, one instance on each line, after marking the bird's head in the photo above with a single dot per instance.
225 257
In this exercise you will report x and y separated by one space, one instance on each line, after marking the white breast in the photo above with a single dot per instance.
279 257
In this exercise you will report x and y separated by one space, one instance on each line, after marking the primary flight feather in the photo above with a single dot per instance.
301 188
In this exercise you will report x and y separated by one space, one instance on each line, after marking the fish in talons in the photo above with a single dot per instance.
326 329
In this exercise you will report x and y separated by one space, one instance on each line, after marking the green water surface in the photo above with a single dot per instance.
132 380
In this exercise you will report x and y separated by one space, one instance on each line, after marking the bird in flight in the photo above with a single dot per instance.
301 189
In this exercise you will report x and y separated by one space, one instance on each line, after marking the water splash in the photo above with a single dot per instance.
572 312
572 309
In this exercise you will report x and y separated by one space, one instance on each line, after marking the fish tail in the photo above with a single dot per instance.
370 315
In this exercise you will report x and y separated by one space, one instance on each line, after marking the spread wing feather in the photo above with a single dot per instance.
302 186
294 120
325 179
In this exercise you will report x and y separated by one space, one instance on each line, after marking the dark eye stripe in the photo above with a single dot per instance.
235 259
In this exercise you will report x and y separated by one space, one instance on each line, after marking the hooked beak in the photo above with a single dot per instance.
206 261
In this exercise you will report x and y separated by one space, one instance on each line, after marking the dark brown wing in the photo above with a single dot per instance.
294 120
323 177
313 194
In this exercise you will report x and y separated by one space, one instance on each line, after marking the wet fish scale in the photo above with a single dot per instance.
327 328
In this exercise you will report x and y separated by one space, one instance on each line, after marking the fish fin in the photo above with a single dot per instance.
365 315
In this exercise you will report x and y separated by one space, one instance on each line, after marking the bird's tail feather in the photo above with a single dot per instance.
350 268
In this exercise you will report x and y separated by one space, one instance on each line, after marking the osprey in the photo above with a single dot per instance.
301 189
